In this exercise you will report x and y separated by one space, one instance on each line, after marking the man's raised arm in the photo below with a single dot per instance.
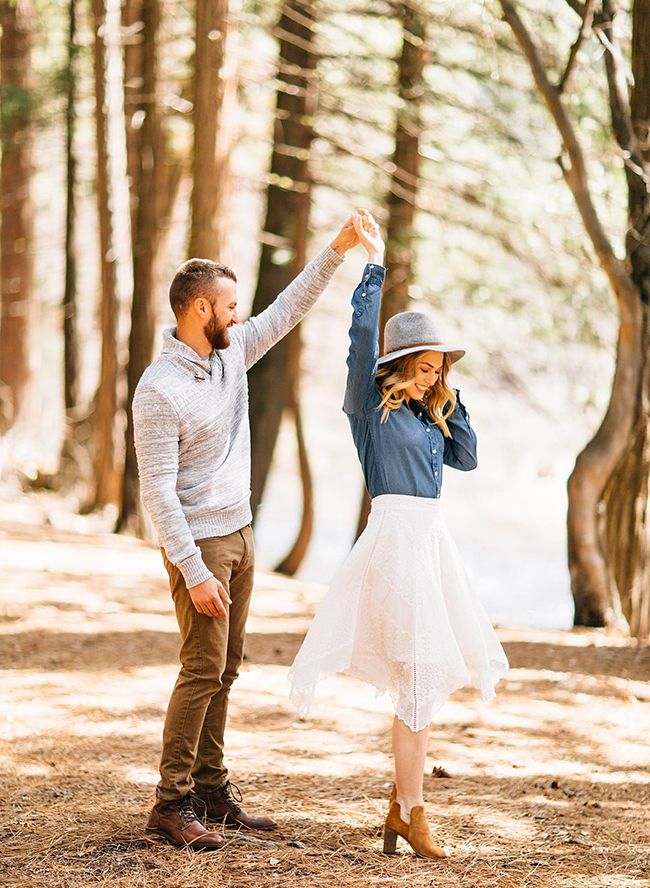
260 333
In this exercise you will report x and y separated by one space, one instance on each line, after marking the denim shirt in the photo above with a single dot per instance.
405 454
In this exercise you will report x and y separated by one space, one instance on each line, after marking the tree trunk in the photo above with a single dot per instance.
105 406
602 511
402 199
287 216
70 337
213 116
626 524
146 154
133 35
16 219
628 537
592 584
292 561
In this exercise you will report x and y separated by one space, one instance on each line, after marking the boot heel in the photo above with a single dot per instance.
390 840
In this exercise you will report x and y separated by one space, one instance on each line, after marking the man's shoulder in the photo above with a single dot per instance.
164 369
158 382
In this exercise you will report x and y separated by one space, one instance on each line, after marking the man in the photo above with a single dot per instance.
192 439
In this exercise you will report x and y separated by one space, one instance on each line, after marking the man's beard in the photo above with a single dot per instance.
217 336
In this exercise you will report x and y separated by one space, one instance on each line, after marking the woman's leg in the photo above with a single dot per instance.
409 749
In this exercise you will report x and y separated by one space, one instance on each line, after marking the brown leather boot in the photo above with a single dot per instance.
416 833
222 806
176 822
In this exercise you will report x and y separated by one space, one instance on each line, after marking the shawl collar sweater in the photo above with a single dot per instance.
192 435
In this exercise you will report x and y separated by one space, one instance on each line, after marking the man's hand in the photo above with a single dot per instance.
210 598
346 238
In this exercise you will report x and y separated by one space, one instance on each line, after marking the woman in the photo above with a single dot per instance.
400 614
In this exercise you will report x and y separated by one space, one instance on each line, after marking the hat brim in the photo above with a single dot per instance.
455 354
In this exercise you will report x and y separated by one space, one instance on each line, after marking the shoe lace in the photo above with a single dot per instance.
232 794
186 809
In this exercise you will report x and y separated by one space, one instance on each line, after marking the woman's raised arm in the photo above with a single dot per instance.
366 301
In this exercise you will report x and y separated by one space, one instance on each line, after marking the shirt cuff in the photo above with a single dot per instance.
329 260
194 570
374 274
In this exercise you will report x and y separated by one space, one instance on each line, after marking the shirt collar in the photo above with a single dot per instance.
174 346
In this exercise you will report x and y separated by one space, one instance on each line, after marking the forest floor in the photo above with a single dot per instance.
547 786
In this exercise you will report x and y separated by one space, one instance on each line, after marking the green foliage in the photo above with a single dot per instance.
16 107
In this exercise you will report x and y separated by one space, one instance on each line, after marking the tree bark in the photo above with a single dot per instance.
287 218
627 526
214 89
16 219
104 480
638 237
145 153
626 516
133 35
402 197
70 337
294 558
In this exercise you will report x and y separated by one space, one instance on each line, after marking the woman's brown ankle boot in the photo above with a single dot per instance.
416 833
394 827
419 837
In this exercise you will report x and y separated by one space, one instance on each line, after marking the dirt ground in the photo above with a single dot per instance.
548 786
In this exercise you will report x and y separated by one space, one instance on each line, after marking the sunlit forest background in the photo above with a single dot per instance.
136 134
504 147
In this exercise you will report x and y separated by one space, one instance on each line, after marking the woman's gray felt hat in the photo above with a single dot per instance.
413 331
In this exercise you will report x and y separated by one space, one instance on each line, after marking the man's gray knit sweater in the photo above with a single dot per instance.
192 434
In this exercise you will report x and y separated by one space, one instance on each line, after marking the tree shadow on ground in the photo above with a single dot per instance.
88 651
623 662
40 649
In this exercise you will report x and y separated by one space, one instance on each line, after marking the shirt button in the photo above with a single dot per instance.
428 430
434 451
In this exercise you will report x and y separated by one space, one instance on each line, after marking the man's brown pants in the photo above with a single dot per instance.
211 653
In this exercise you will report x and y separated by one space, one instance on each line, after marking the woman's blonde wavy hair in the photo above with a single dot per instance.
394 377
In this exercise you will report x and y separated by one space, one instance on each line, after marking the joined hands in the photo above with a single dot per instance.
361 228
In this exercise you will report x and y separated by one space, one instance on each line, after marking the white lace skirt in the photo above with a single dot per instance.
401 615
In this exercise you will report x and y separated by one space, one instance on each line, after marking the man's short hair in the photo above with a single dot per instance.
192 279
